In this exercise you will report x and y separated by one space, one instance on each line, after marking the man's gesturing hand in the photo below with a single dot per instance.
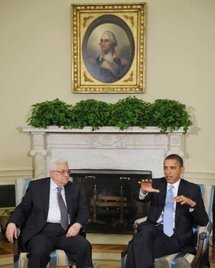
185 200
146 186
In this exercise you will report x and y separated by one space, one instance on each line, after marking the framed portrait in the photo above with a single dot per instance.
108 48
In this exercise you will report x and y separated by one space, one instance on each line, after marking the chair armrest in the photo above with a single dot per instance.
202 245
15 248
16 245
137 223
196 260
83 232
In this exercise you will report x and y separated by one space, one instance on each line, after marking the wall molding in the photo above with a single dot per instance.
8 176
200 177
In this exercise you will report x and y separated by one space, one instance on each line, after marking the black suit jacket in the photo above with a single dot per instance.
184 219
31 214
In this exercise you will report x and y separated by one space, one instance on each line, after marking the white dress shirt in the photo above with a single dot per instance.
54 215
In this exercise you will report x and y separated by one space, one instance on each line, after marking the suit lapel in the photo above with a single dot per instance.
68 197
161 197
45 196
181 190
163 193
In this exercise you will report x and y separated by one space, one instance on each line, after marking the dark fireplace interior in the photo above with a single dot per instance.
109 194
7 196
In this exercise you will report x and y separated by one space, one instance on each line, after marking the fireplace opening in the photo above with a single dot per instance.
109 195
7 196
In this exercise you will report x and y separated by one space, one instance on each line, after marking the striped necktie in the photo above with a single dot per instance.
63 209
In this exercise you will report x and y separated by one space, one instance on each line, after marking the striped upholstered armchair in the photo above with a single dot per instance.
58 257
181 259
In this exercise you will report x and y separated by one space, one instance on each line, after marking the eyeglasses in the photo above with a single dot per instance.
61 172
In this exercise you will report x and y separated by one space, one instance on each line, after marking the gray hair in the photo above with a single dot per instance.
52 165
112 37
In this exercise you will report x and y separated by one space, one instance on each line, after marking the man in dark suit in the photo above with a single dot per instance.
151 241
39 218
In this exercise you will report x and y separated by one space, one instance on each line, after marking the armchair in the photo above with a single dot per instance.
58 257
197 259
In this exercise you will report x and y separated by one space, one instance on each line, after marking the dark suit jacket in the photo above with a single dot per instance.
184 219
31 214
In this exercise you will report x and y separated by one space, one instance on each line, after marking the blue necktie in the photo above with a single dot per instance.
63 209
168 212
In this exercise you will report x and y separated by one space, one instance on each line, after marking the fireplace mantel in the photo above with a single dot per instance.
105 148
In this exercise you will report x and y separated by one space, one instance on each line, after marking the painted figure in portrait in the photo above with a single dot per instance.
108 66
108 52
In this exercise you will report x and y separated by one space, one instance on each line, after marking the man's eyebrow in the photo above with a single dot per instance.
169 166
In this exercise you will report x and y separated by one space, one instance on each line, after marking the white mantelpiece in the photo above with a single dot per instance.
106 148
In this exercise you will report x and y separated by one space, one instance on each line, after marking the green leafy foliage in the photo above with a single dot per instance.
168 115
129 112
49 113
90 113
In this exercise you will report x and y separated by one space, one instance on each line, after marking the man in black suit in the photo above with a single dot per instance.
188 211
39 218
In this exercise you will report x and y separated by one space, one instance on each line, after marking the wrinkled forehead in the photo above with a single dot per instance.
60 166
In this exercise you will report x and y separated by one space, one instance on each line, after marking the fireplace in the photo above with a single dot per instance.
106 158
109 195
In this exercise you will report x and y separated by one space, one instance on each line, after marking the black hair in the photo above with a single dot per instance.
176 157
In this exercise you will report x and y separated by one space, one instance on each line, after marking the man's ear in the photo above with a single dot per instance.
182 170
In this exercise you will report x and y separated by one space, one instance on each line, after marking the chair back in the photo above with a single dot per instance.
21 186
207 195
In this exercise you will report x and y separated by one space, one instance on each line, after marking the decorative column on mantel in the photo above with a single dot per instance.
38 152
105 148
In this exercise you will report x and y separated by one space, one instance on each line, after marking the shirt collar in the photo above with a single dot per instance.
53 185
176 185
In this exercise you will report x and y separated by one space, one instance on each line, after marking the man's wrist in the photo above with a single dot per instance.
78 225
142 192
192 204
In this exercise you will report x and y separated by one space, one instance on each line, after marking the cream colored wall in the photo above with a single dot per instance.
35 66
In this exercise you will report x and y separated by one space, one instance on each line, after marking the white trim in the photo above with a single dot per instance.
100 130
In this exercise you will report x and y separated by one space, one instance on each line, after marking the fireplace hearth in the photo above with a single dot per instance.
109 195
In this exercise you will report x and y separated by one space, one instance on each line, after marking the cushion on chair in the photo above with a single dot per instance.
58 258
171 259
182 263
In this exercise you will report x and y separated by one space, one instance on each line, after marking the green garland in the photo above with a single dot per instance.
168 115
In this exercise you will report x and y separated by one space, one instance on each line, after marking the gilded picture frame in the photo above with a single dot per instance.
108 48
